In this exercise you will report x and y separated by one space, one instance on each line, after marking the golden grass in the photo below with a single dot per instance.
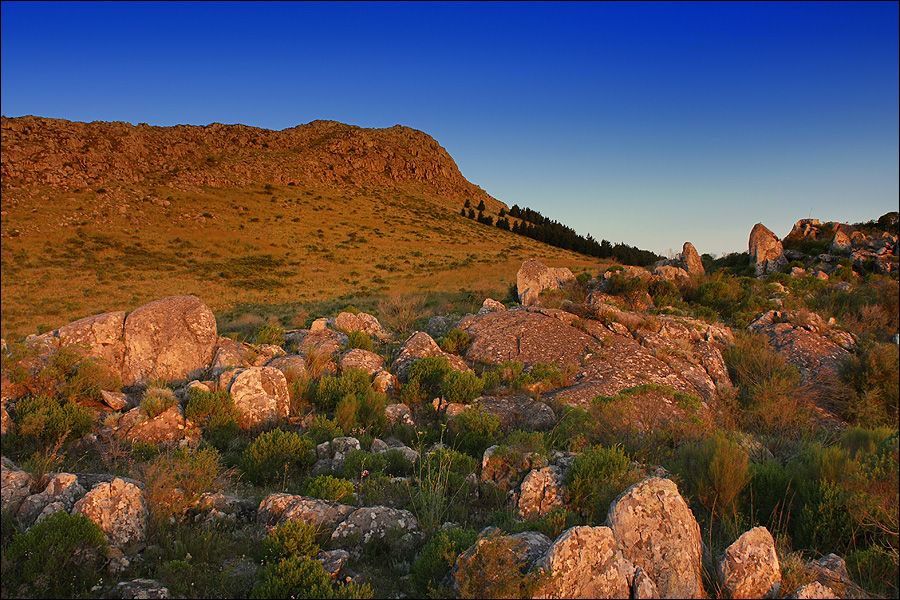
66 255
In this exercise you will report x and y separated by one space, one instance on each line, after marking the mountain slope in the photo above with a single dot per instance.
101 215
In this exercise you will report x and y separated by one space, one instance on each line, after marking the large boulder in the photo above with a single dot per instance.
322 514
750 568
766 250
118 509
421 345
656 531
293 366
169 339
534 277
100 336
363 360
366 323
584 562
260 396
15 486
542 491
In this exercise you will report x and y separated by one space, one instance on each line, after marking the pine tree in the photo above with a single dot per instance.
481 206
471 214
468 203
462 212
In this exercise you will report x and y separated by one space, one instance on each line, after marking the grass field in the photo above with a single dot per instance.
67 255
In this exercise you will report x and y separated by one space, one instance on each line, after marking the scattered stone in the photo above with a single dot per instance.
140 589
333 561
114 400
372 523
491 305
398 413
15 486
814 590
60 494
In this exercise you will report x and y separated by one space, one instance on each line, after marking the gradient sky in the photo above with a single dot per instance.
644 123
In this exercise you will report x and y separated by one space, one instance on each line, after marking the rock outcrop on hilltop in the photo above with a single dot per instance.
766 250
534 277
66 155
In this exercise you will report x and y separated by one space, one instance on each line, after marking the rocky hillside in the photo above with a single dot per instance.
67 155
97 216
664 433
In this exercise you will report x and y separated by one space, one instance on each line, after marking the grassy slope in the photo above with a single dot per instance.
66 255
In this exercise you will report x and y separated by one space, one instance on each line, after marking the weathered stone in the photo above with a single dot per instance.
372 523
230 354
491 305
333 561
656 530
293 366
505 467
535 277
362 360
260 396
518 412
319 513
62 491
15 486
100 336
168 339
366 323
140 589
691 259
643 586
398 413
527 548
168 426
750 568
118 508
766 250
671 273
272 507
114 400
814 590
584 562
541 491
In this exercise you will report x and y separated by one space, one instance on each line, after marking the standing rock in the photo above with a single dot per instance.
766 251
841 242
657 532
750 566
118 508
534 277
169 339
541 491
691 259
584 562
260 396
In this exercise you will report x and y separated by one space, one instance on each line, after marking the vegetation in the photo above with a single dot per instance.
278 455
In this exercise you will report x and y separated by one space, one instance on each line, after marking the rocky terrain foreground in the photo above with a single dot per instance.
695 429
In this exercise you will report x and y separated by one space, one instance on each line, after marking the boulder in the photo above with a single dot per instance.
518 412
526 548
362 360
691 260
333 561
100 336
541 491
272 507
366 323
671 273
491 305
385 382
118 509
373 523
168 426
398 413
643 586
814 590
421 345
766 250
750 568
168 339
841 243
260 396
534 277
230 354
293 366
656 531
584 562
319 513
61 492
15 486
114 400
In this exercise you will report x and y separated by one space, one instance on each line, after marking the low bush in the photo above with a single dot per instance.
873 383
456 341
291 538
473 430
359 339
269 333
328 487
157 400
572 431
460 386
277 455
440 483
332 389
436 558
322 429
303 577
496 571
60 557
358 461
215 412
714 471
175 480
596 477
50 421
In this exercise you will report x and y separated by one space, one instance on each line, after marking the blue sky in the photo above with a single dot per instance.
645 123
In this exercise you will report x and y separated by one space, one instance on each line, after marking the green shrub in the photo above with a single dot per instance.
269 334
330 488
437 557
874 385
424 378
875 569
664 293
571 432
460 386
322 429
277 454
379 489
49 421
496 571
456 341
715 471
303 577
333 389
361 340
215 412
175 480
473 430
439 485
345 412
66 374
596 477
357 461
157 400
60 557
291 538
527 441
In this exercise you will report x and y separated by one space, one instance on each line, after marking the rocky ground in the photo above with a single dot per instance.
682 431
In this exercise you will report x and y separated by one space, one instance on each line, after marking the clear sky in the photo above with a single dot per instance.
644 123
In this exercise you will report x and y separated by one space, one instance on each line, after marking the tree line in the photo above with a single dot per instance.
536 226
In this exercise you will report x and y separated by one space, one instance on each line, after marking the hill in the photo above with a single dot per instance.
102 215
